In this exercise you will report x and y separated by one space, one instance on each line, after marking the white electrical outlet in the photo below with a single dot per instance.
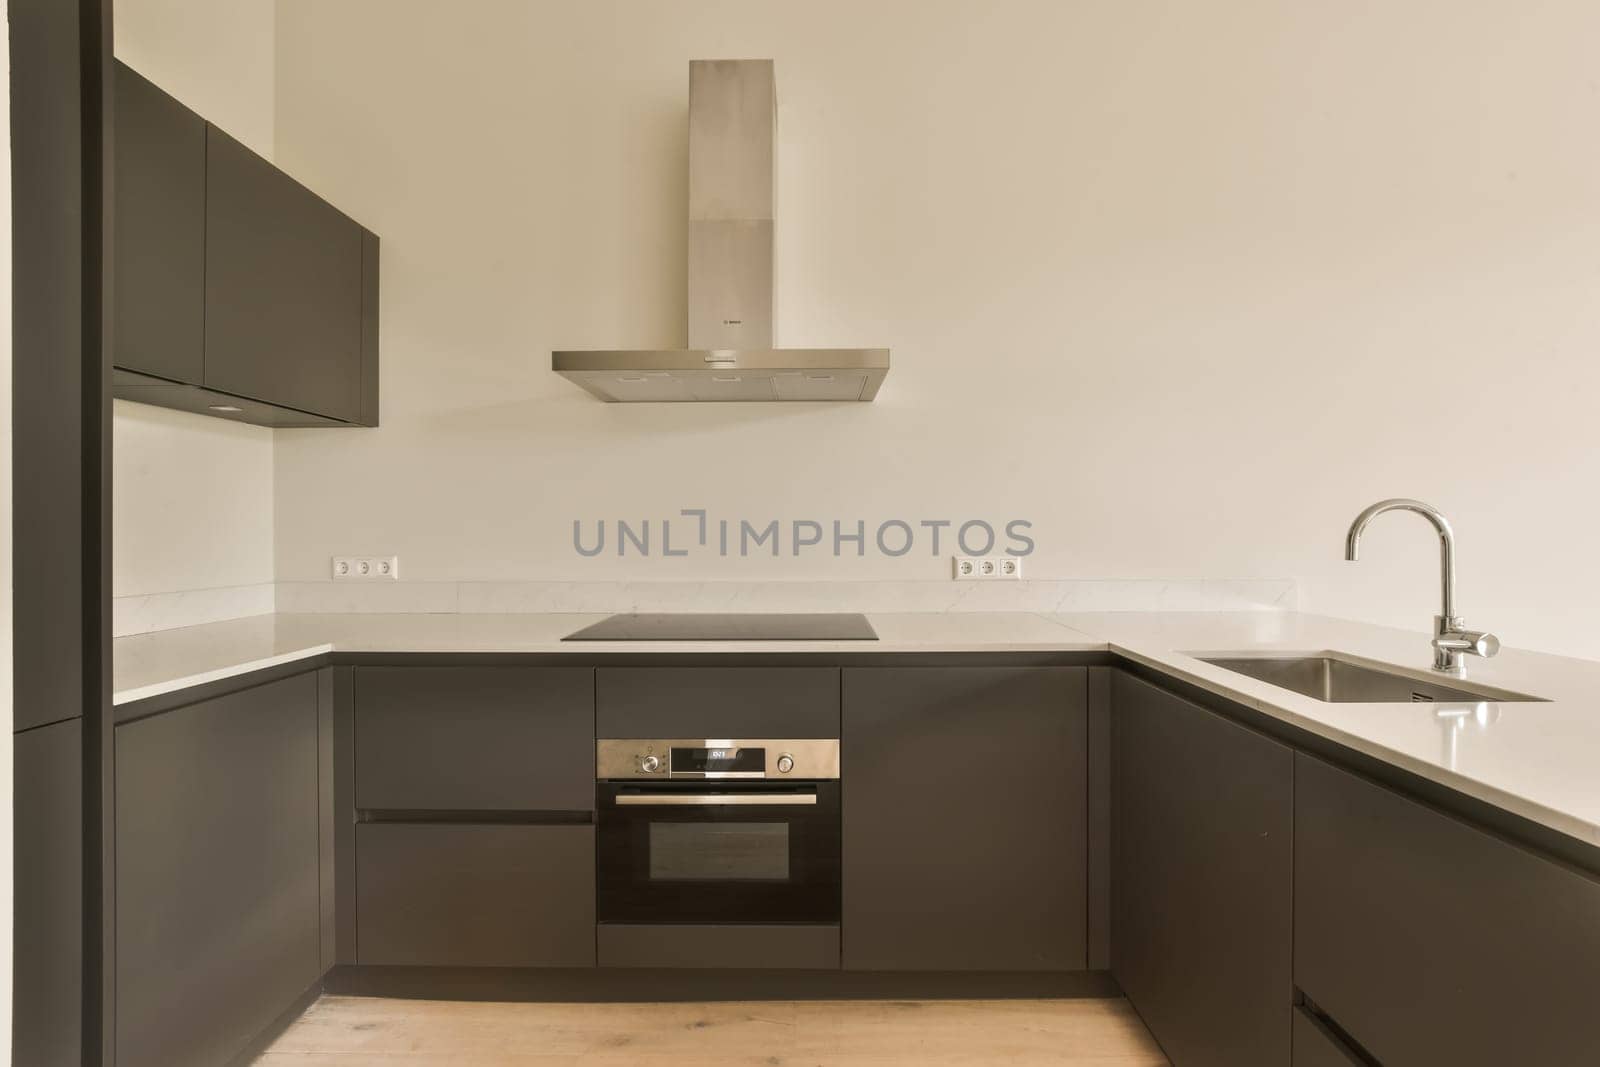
366 568
987 568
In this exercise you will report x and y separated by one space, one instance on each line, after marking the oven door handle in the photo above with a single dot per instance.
710 799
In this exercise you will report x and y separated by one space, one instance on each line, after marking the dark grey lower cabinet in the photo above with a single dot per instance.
1201 868
466 895
217 889
1430 941
475 738
965 818
48 908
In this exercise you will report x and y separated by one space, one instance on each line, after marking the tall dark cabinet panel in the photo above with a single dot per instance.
49 333
283 315
160 251
1430 941
1201 868
60 501
965 818
48 999
218 917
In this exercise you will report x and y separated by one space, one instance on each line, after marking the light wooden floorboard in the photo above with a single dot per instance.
376 1032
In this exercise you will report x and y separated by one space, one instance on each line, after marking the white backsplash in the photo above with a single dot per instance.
1204 594
146 613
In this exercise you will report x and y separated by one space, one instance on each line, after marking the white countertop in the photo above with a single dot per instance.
151 664
1537 760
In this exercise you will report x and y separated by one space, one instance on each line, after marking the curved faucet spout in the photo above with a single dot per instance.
1451 640
1447 544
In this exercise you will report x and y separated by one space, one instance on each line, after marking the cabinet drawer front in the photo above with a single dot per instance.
475 738
475 896
800 702
1430 941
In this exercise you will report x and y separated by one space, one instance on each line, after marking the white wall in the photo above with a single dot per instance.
191 501
1185 284
192 496
215 55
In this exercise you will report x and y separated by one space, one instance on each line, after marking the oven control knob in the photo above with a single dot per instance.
785 763
650 764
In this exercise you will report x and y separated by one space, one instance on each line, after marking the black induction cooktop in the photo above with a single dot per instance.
647 626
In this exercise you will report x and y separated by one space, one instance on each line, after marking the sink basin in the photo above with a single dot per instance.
1339 680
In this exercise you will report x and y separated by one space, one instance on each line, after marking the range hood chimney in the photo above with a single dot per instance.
733 127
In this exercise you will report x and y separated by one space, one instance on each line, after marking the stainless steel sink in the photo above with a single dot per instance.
1338 680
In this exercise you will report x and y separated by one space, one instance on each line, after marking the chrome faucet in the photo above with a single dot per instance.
1452 642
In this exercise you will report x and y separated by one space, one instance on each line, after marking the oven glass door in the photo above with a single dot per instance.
718 851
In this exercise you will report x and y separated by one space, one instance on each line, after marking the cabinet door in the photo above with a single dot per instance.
217 873
457 894
283 293
965 823
1430 941
160 217
475 738
1200 878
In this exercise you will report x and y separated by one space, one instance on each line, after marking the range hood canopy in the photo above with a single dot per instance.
733 125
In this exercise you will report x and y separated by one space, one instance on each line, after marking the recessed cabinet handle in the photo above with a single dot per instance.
709 799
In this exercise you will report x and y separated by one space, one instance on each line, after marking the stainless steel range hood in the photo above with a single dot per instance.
733 125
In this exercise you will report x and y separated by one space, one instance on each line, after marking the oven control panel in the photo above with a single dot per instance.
702 758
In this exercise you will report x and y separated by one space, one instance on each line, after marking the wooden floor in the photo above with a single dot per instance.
368 1032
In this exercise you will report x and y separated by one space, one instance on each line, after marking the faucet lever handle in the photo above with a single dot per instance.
1452 638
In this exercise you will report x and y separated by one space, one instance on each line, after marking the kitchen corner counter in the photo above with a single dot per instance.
1539 760
1535 760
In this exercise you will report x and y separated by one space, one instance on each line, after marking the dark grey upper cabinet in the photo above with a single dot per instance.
217 883
239 293
965 818
1430 941
1201 862
159 319
283 287
475 738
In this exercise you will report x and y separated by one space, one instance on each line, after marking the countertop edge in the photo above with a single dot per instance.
218 674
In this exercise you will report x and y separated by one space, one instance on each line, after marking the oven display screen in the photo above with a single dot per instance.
709 760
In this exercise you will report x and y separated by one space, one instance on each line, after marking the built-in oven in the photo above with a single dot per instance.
717 831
